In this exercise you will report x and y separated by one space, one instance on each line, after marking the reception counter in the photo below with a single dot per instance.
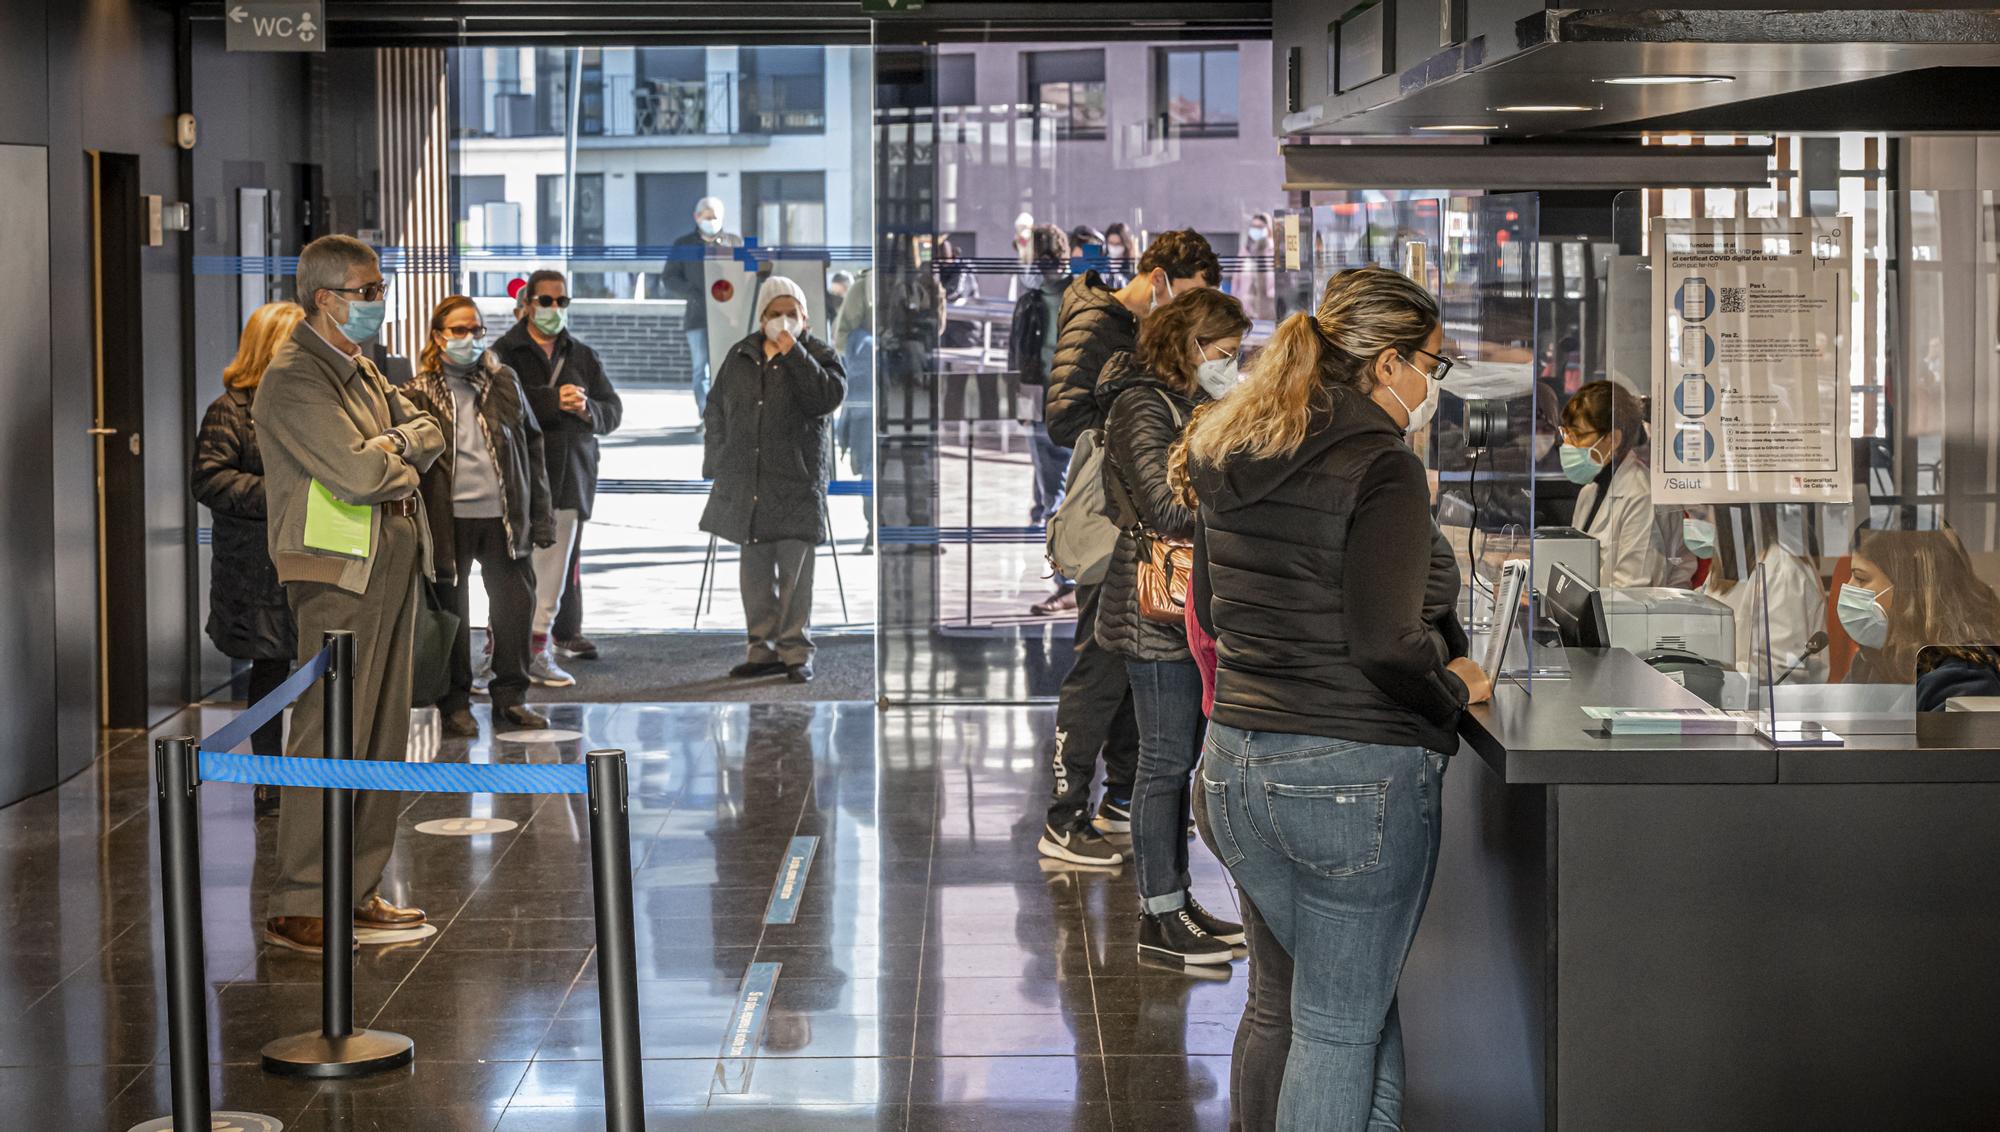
1707 932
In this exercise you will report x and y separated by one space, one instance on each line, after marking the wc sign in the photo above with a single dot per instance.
274 25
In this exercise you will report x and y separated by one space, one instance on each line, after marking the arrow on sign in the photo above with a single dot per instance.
236 15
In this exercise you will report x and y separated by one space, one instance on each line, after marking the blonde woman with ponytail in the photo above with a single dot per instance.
1334 711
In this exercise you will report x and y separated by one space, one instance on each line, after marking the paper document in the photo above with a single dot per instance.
335 527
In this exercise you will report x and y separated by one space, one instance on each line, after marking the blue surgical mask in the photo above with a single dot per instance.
364 320
1581 465
1699 535
462 351
1862 616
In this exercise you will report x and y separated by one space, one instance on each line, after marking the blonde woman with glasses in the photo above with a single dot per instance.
1334 710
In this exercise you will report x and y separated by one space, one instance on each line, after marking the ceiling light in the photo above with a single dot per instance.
1458 128
1667 80
1545 108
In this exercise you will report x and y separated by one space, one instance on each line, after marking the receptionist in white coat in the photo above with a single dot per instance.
1603 427
1769 590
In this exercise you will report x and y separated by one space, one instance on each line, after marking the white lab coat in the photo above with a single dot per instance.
1796 605
1632 547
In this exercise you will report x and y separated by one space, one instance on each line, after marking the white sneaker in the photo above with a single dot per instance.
482 675
544 670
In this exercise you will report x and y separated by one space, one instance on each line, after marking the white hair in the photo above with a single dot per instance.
709 204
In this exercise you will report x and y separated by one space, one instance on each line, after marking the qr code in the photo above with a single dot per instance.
1731 301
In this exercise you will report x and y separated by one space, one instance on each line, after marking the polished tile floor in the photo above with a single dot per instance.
939 974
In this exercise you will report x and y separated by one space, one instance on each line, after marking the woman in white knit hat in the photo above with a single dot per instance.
766 447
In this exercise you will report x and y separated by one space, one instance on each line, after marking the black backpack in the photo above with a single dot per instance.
1025 336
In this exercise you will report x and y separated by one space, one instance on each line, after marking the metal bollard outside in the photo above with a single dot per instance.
176 778
617 962
337 1049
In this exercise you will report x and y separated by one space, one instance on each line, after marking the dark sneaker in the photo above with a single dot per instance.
1061 601
1176 935
521 717
1213 924
1114 815
577 648
1080 846
752 669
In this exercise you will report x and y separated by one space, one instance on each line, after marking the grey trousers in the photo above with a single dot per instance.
383 621
777 582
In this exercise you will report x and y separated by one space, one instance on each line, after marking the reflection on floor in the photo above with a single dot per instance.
676 667
938 975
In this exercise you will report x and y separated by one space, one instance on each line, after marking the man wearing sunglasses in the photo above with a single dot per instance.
326 418
575 404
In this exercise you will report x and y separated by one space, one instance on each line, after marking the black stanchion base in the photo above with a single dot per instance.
356 1055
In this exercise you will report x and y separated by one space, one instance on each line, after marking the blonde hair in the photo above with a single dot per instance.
432 358
269 325
1363 312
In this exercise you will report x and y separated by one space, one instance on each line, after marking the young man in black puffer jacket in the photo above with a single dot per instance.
1095 710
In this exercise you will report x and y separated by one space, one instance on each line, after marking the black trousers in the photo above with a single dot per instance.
1264 1036
510 600
266 675
569 611
1093 715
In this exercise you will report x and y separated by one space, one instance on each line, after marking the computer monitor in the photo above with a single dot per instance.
1576 608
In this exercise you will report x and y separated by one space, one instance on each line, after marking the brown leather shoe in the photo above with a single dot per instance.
381 915
304 934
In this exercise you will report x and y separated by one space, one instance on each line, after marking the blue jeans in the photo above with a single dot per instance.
1166 698
698 358
1335 842
1051 465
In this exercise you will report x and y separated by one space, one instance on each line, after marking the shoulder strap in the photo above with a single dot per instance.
1129 517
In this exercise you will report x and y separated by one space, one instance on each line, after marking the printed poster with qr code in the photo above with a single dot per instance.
1750 390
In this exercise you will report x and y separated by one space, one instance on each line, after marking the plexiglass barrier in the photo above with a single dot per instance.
1805 415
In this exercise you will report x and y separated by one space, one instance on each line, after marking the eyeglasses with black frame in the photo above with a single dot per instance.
457 333
1437 372
370 293
560 302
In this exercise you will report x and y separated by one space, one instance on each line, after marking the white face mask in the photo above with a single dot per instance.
1218 377
783 324
709 225
1259 233
463 351
1426 409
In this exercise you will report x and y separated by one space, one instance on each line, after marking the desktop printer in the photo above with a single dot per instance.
1653 619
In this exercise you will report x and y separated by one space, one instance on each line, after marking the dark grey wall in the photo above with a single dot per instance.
74 78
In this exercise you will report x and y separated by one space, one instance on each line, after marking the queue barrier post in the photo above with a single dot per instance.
176 779
617 963
337 1049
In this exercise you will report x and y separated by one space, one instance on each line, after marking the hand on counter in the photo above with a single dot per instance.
1478 685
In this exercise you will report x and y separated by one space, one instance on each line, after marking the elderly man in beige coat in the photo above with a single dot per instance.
324 413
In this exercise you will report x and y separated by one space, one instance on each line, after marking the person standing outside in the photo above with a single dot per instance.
767 452
687 279
487 499
575 404
248 618
1095 710
328 419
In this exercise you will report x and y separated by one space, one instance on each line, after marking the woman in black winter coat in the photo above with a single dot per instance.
248 617
1186 356
767 447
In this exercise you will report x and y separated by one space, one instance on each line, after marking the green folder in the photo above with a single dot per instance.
336 527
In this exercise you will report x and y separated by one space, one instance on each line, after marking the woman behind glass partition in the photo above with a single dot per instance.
1912 593
1604 435
1780 617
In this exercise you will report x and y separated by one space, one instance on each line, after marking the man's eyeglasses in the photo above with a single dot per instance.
560 302
1437 372
372 293
460 333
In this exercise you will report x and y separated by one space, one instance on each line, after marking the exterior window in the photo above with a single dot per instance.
670 95
1194 90
785 209
551 97
666 206
957 80
1068 86
783 90
589 210
548 208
